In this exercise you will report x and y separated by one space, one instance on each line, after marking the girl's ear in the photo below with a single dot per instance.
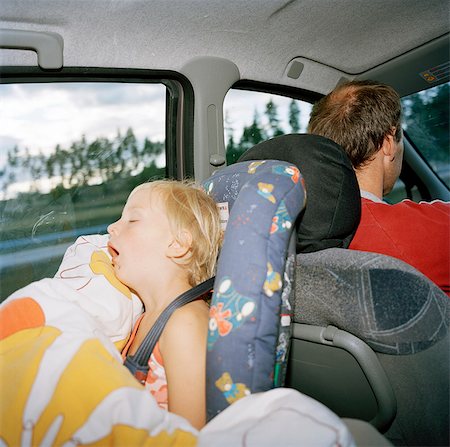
180 246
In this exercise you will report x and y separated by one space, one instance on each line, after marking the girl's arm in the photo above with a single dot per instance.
183 348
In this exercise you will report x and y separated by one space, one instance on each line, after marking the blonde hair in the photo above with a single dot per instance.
188 207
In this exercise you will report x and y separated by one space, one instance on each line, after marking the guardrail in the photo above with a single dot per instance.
15 252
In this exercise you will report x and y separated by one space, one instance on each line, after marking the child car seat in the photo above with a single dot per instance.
246 350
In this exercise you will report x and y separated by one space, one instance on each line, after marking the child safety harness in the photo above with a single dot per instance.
138 363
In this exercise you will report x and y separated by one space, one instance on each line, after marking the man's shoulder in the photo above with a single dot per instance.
371 199
408 207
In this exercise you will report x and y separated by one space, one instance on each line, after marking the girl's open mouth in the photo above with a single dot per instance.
112 251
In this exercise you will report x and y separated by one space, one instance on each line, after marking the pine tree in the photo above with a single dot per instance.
130 152
232 150
85 164
272 117
294 116
252 135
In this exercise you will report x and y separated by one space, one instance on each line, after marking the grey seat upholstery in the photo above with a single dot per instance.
399 319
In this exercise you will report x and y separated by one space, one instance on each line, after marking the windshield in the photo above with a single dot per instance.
426 120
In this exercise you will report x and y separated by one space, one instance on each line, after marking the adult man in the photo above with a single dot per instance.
364 117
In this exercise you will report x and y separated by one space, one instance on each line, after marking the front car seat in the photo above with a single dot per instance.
381 319
344 297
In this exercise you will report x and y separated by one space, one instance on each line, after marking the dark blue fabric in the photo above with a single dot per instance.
265 198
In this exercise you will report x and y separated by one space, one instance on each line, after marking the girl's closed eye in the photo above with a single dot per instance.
134 217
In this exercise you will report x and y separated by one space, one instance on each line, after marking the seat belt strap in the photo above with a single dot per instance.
138 363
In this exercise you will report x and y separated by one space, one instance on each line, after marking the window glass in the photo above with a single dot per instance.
426 120
400 192
251 117
69 155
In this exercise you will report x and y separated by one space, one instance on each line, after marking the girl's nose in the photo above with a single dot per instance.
111 228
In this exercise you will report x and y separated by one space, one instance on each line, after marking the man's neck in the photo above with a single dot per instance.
369 181
368 195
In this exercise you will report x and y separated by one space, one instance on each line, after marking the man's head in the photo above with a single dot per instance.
362 116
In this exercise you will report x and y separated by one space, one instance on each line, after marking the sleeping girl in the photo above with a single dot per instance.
166 242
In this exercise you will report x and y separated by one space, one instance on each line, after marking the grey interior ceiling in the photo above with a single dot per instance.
332 38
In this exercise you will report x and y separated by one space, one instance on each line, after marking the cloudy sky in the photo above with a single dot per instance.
40 116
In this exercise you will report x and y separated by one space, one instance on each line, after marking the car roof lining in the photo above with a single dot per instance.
262 37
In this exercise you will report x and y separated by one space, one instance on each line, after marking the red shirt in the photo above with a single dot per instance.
416 233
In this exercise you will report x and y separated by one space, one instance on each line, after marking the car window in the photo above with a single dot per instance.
426 125
252 117
69 155
426 120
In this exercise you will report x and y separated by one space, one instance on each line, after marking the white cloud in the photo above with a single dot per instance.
40 116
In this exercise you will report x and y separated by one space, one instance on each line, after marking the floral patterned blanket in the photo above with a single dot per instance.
62 381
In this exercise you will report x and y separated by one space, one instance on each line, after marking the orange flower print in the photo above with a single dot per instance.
219 317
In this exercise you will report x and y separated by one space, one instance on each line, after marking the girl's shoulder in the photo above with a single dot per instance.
194 312
187 326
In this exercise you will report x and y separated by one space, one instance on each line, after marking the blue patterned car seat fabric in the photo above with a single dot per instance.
250 313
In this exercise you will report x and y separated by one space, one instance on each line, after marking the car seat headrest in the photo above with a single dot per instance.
333 209
250 313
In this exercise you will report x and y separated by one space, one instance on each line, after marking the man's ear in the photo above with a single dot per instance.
388 146
180 246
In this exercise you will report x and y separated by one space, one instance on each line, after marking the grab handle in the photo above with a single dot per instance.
48 46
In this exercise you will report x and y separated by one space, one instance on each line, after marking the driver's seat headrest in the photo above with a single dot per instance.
333 207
